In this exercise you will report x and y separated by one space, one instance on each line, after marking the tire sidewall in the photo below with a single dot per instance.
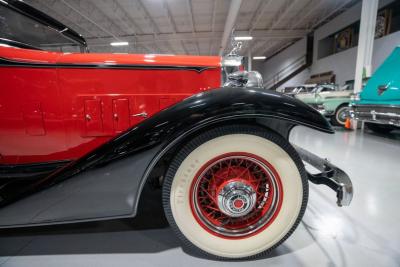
338 111
274 149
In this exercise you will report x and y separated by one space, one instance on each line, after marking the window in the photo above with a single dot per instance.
388 21
17 27
340 41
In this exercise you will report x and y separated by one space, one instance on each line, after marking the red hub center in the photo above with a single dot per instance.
236 195
238 203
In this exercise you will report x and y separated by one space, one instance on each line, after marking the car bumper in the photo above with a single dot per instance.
329 175
376 113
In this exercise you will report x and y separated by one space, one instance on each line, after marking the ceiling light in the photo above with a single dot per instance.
119 43
259 58
243 38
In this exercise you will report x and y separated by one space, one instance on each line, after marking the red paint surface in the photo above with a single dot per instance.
43 111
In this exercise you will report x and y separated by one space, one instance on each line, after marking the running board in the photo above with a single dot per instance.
329 175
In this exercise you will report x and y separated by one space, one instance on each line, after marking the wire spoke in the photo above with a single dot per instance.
209 187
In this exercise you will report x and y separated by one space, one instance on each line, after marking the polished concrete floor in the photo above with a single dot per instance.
365 234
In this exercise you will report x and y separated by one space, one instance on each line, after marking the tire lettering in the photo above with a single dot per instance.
180 194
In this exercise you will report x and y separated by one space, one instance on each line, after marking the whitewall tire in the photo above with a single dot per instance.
235 192
339 118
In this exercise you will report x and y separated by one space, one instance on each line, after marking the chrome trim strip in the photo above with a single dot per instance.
142 114
375 106
374 113
4 62
336 97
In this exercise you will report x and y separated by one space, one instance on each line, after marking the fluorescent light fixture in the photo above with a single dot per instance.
119 43
243 38
259 58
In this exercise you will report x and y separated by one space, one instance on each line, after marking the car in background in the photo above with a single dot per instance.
378 104
320 88
349 85
286 90
330 102
302 89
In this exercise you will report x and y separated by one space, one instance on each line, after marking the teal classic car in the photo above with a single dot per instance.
330 102
379 102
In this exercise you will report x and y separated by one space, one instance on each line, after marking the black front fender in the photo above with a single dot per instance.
260 103
236 102
107 182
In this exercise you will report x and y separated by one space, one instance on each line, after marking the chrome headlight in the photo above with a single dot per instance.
244 79
234 77
254 79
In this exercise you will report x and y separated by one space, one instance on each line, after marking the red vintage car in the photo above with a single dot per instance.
82 134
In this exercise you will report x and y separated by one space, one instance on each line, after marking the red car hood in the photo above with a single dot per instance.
46 57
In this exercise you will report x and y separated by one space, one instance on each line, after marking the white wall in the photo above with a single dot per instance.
298 79
278 62
343 20
342 64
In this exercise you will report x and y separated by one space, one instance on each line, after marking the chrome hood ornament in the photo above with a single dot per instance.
233 74
236 46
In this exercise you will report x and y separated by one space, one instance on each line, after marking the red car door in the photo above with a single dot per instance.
31 119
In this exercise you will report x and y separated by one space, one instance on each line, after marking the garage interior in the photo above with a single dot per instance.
290 43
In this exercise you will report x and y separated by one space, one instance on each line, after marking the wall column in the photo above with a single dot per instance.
249 60
365 42
366 38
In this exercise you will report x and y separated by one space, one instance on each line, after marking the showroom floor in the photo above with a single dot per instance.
365 234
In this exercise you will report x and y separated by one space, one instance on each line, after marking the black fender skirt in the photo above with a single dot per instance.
107 182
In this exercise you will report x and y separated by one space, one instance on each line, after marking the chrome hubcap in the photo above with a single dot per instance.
236 198
342 115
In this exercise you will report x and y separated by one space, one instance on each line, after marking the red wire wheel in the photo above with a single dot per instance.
236 195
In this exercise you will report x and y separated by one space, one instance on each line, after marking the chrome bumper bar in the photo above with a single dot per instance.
377 114
329 175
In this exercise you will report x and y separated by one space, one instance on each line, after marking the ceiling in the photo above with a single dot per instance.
195 27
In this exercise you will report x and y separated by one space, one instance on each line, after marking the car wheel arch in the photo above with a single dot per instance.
341 105
161 162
